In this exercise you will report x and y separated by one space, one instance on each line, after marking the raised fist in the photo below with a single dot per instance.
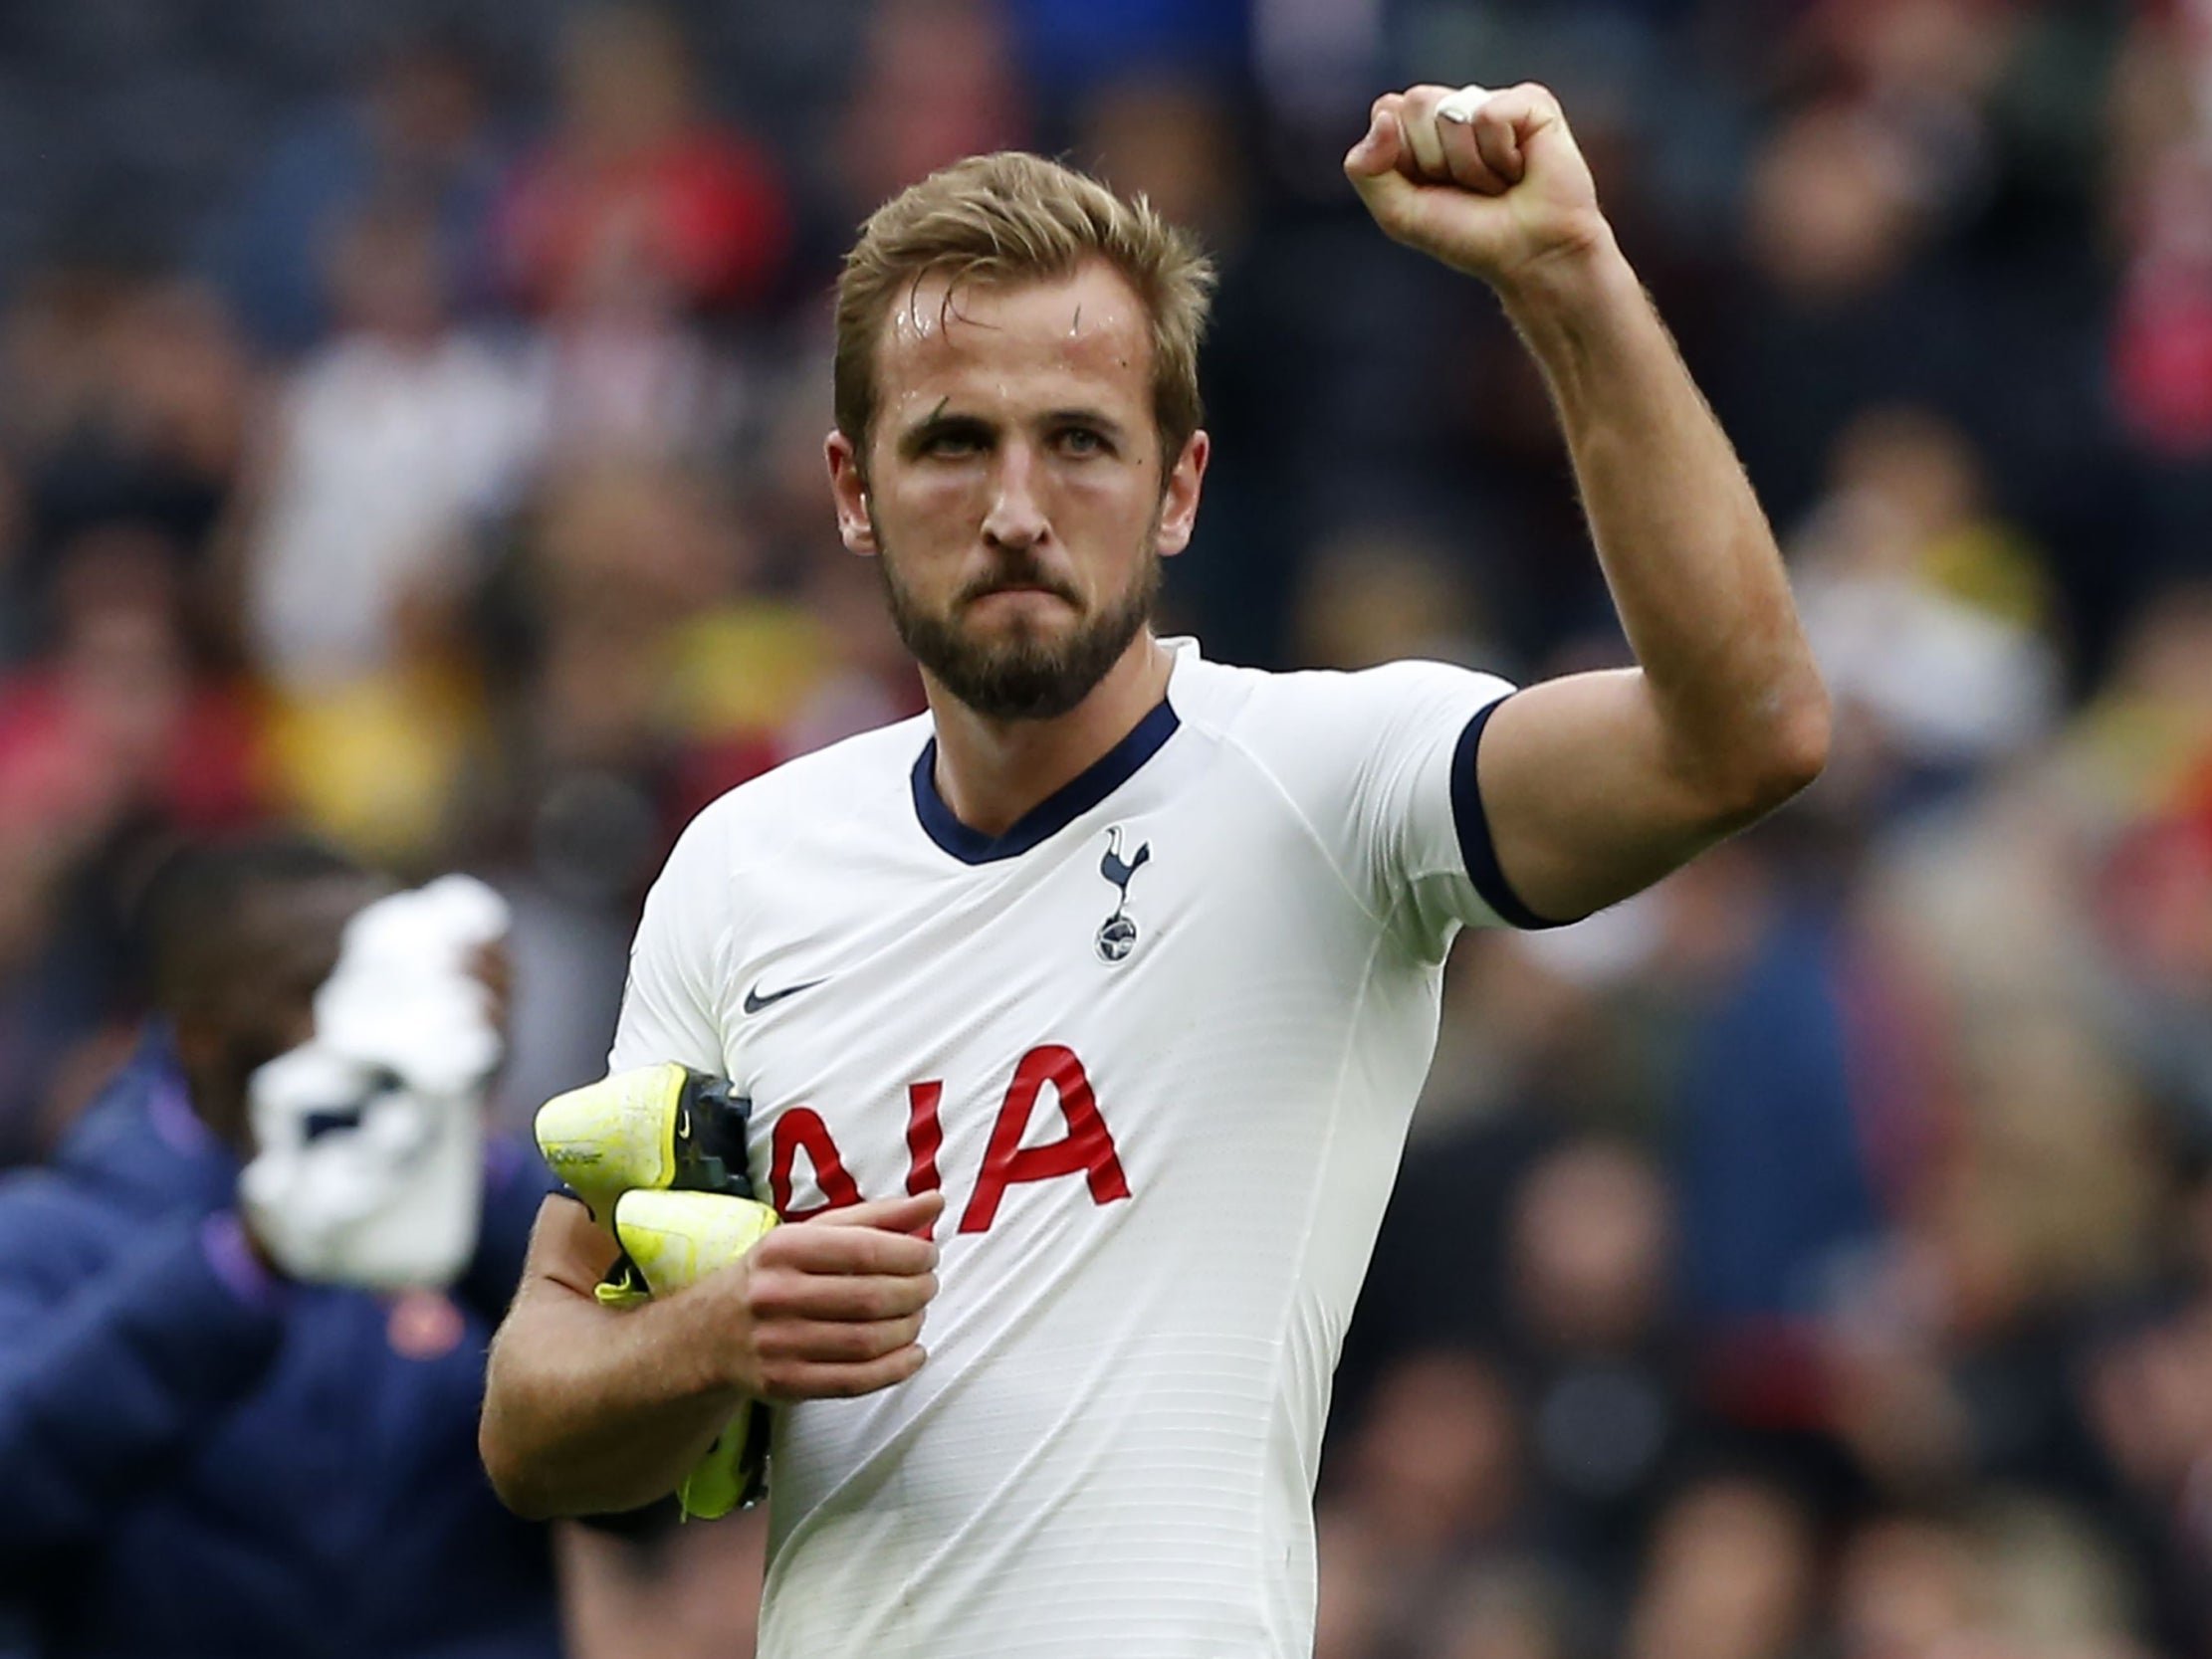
1490 183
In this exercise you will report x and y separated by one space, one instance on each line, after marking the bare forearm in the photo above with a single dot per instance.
1687 550
592 1410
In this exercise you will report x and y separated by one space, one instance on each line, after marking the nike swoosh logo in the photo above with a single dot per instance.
755 1001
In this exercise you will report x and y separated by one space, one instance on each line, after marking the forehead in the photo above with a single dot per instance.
1084 338
288 935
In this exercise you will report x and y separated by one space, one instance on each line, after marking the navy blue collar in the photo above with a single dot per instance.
1052 814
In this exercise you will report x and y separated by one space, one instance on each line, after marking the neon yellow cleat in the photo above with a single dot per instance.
675 1239
658 1155
678 1238
647 1130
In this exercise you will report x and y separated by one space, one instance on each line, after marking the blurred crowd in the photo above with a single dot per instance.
1812 1257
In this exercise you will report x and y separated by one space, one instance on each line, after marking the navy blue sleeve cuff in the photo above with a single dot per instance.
1473 826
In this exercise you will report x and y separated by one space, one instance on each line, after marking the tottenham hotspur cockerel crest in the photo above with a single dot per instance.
1117 934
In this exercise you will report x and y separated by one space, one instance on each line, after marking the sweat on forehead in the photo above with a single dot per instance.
1090 307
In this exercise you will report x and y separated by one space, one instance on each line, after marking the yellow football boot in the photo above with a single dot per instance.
658 1155
675 1239
650 1129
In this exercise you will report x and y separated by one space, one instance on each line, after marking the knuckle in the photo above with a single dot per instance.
776 1343
771 1294
780 1380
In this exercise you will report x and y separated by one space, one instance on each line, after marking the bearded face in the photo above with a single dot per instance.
1022 668
1014 493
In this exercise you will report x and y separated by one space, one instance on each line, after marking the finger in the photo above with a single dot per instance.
894 1215
835 1344
1499 142
804 1380
851 1297
1507 123
1377 165
809 1249
1416 118
1463 156
1381 148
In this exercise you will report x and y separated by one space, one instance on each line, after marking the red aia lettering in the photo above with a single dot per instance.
1087 1148
924 1138
801 1129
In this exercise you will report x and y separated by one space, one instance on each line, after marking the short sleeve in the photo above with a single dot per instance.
671 1006
1382 764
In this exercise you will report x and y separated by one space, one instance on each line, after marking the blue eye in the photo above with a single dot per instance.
1081 440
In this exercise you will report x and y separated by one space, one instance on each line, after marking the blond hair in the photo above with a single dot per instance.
1015 217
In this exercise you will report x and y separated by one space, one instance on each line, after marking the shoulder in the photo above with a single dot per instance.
1315 715
54 1228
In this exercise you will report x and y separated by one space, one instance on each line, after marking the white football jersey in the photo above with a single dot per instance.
1158 1044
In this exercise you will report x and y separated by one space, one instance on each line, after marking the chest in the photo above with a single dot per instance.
1063 1028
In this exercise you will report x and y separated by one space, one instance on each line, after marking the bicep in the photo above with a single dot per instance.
1585 801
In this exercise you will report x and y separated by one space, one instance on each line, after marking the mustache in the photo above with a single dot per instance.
1020 571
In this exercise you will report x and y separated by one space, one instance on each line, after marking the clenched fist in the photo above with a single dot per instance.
1491 184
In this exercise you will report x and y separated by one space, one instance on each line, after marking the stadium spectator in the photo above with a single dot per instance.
417 130
197 1453
640 186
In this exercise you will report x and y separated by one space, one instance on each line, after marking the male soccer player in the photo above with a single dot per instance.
1089 1009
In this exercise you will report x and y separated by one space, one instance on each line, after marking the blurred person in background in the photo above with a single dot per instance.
1731 1572
1929 613
114 735
200 1452
418 128
639 178
390 444
643 234
1595 1347
390 449
934 81
1435 1488
2009 1576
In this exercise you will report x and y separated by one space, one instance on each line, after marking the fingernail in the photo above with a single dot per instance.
1449 112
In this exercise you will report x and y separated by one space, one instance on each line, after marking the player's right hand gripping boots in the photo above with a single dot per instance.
658 1156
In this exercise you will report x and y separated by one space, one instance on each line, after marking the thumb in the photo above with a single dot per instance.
1377 152
1371 165
892 1215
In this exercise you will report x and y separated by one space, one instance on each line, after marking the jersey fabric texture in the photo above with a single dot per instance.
1159 1045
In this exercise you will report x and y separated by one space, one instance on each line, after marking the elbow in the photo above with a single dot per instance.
1795 750
510 1473
1780 761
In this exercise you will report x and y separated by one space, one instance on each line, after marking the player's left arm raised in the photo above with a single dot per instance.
1595 786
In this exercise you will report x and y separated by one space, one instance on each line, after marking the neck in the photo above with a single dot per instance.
991 771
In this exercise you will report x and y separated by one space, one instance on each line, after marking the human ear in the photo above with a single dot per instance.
1179 502
848 488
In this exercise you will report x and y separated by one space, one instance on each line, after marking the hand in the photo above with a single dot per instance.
1497 195
831 1307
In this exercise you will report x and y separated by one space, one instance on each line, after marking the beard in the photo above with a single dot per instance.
1023 674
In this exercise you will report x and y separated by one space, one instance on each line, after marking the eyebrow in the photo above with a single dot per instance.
940 421
937 422
1084 417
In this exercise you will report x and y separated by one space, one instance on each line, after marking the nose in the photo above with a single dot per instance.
1016 517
